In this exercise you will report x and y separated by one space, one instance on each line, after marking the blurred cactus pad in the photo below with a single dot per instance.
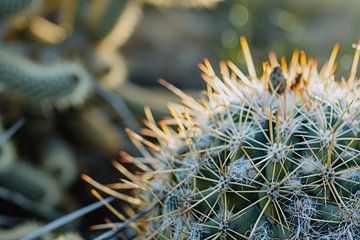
261 156
58 84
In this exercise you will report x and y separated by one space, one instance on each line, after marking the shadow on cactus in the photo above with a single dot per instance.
274 156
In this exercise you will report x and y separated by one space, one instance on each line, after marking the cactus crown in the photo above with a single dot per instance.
274 156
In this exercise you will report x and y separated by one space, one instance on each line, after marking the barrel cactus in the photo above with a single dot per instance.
274 156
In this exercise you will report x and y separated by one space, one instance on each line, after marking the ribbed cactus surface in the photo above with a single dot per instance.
57 84
270 156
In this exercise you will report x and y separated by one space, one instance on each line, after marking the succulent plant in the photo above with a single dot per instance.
7 154
184 3
58 160
69 236
10 7
20 230
30 182
59 84
274 156
100 17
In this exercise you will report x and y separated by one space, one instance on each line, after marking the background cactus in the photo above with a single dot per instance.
185 3
10 7
7 155
69 236
32 183
21 230
58 160
61 84
100 17
274 156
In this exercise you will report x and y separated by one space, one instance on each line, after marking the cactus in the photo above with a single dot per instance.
58 160
274 156
69 236
22 178
10 7
109 18
21 230
7 155
100 17
184 3
59 85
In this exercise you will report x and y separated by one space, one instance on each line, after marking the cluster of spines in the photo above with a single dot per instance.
273 157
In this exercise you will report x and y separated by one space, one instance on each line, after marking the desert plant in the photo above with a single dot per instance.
185 3
23 178
10 7
58 160
269 157
69 236
59 84
20 230
20 177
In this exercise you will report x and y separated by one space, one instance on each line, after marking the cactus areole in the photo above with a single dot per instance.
270 156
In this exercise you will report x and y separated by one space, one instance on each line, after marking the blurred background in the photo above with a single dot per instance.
75 73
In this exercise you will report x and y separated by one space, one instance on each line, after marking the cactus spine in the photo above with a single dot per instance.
274 156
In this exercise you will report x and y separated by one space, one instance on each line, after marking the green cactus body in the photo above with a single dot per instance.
59 85
184 3
69 236
7 155
59 161
103 21
270 157
30 182
109 18
9 7
21 230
